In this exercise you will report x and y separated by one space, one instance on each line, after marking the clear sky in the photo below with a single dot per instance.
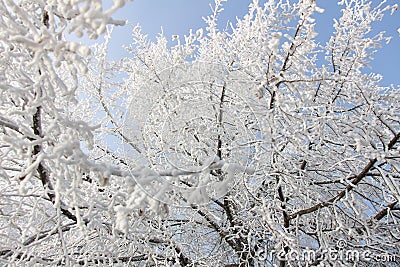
179 16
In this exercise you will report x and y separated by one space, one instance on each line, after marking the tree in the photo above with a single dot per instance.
254 146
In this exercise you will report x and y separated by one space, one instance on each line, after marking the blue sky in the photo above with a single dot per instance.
179 16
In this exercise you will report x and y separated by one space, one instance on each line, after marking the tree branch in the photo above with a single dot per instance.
348 188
